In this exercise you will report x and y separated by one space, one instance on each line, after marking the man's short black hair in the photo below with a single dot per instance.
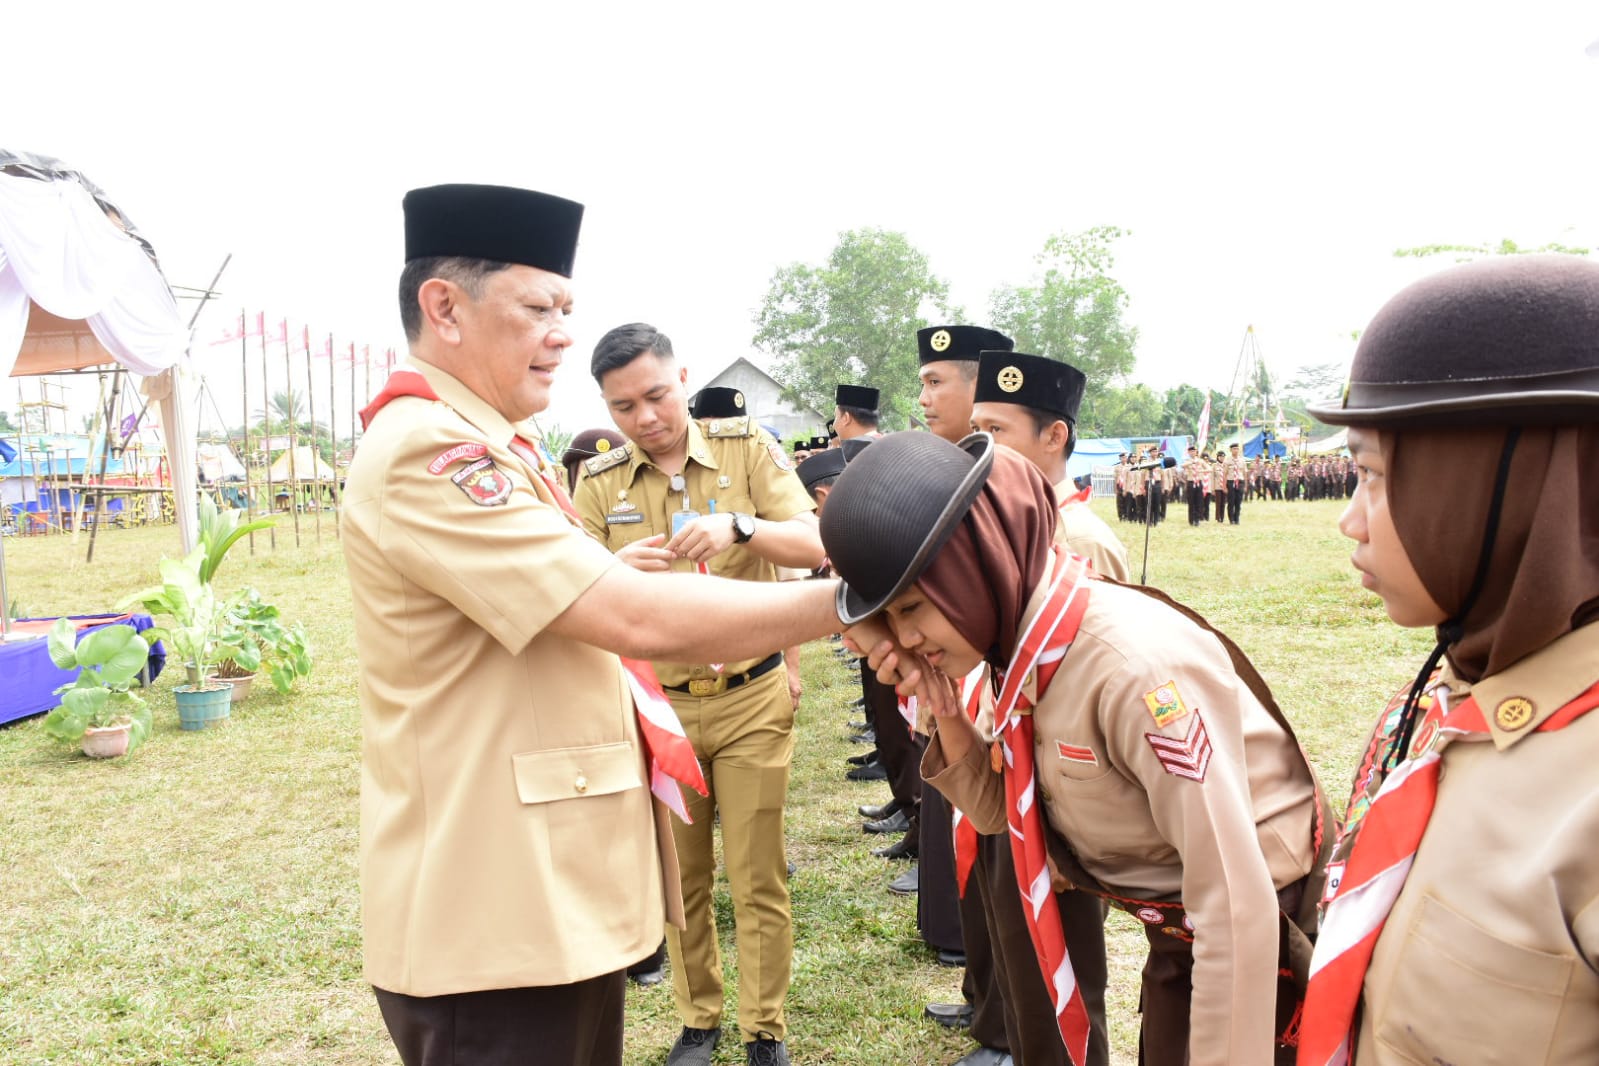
864 415
622 345
824 483
465 272
1043 419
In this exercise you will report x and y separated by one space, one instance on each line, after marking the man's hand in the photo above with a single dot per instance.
647 555
703 539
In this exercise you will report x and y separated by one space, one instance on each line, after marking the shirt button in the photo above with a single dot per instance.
1043 794
581 784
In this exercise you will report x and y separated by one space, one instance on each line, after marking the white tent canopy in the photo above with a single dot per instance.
80 288
1329 445
300 464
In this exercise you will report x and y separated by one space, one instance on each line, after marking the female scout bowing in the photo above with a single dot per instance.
1133 745
1465 923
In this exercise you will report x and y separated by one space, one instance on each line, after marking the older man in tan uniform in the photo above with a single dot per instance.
499 727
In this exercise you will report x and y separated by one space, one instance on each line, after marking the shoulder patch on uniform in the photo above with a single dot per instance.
728 427
606 460
1165 704
1186 757
779 456
483 483
467 449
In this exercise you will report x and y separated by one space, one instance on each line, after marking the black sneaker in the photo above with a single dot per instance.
693 1047
764 1050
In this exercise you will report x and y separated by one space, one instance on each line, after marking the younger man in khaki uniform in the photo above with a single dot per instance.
719 496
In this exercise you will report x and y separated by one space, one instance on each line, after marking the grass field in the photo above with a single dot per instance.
197 903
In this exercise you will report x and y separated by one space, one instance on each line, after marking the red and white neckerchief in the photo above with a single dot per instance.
1376 871
965 832
1039 653
671 756
1082 495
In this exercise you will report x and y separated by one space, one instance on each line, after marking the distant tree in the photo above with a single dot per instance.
1130 411
1318 382
1467 252
6 425
852 319
1073 312
1182 407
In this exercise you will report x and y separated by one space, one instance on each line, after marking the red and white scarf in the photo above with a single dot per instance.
1375 874
671 756
965 832
1039 653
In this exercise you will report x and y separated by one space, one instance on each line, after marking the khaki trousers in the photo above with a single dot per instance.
744 739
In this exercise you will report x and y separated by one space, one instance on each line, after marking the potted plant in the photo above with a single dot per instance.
98 710
262 641
197 635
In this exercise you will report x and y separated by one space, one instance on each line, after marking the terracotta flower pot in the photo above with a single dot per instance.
241 686
107 743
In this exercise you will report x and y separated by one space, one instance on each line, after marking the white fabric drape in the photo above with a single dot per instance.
58 248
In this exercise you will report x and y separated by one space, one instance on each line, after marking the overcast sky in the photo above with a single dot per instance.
1267 159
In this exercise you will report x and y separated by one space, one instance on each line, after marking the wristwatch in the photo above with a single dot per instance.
743 528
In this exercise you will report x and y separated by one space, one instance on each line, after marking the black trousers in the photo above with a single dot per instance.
938 913
1196 505
556 1025
1235 500
896 745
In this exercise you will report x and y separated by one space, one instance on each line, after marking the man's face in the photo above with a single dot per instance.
512 338
1013 427
648 402
1384 565
946 399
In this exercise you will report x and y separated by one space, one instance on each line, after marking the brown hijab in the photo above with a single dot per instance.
1543 579
983 577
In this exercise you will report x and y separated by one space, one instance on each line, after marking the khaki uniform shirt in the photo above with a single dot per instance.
625 497
1234 467
508 836
1491 952
1223 840
1085 533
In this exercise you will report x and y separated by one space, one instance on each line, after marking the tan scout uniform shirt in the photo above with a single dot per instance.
1491 952
1085 533
1223 845
1234 468
625 497
508 838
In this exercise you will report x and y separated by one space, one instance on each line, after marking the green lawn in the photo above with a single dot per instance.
197 903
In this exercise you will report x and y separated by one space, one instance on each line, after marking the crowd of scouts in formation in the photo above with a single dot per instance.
1090 743
1223 482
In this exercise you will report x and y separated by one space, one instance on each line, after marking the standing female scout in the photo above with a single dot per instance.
1134 751
1464 922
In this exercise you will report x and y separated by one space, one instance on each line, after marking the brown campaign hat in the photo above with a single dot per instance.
1508 339
893 508
494 222
591 442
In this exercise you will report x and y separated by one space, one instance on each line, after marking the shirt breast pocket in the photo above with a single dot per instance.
1460 994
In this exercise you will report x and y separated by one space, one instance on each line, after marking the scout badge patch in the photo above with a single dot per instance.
483 483
1165 704
779 456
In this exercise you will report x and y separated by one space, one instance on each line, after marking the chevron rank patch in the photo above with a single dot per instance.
1188 756
1076 753
1165 704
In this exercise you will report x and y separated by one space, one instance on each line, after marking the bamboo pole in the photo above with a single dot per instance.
333 431
310 401
294 472
249 482
266 410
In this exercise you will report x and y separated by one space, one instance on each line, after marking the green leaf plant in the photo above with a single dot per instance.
109 661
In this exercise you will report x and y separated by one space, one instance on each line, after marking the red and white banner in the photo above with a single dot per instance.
1204 426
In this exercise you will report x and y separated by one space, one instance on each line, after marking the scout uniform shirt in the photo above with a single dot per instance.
1234 467
1169 780
1491 951
1084 533
624 497
508 836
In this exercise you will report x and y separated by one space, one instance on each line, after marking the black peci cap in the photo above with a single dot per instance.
493 222
862 396
714 401
1030 381
938 343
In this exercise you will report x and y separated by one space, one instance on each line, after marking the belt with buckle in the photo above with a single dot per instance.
715 686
